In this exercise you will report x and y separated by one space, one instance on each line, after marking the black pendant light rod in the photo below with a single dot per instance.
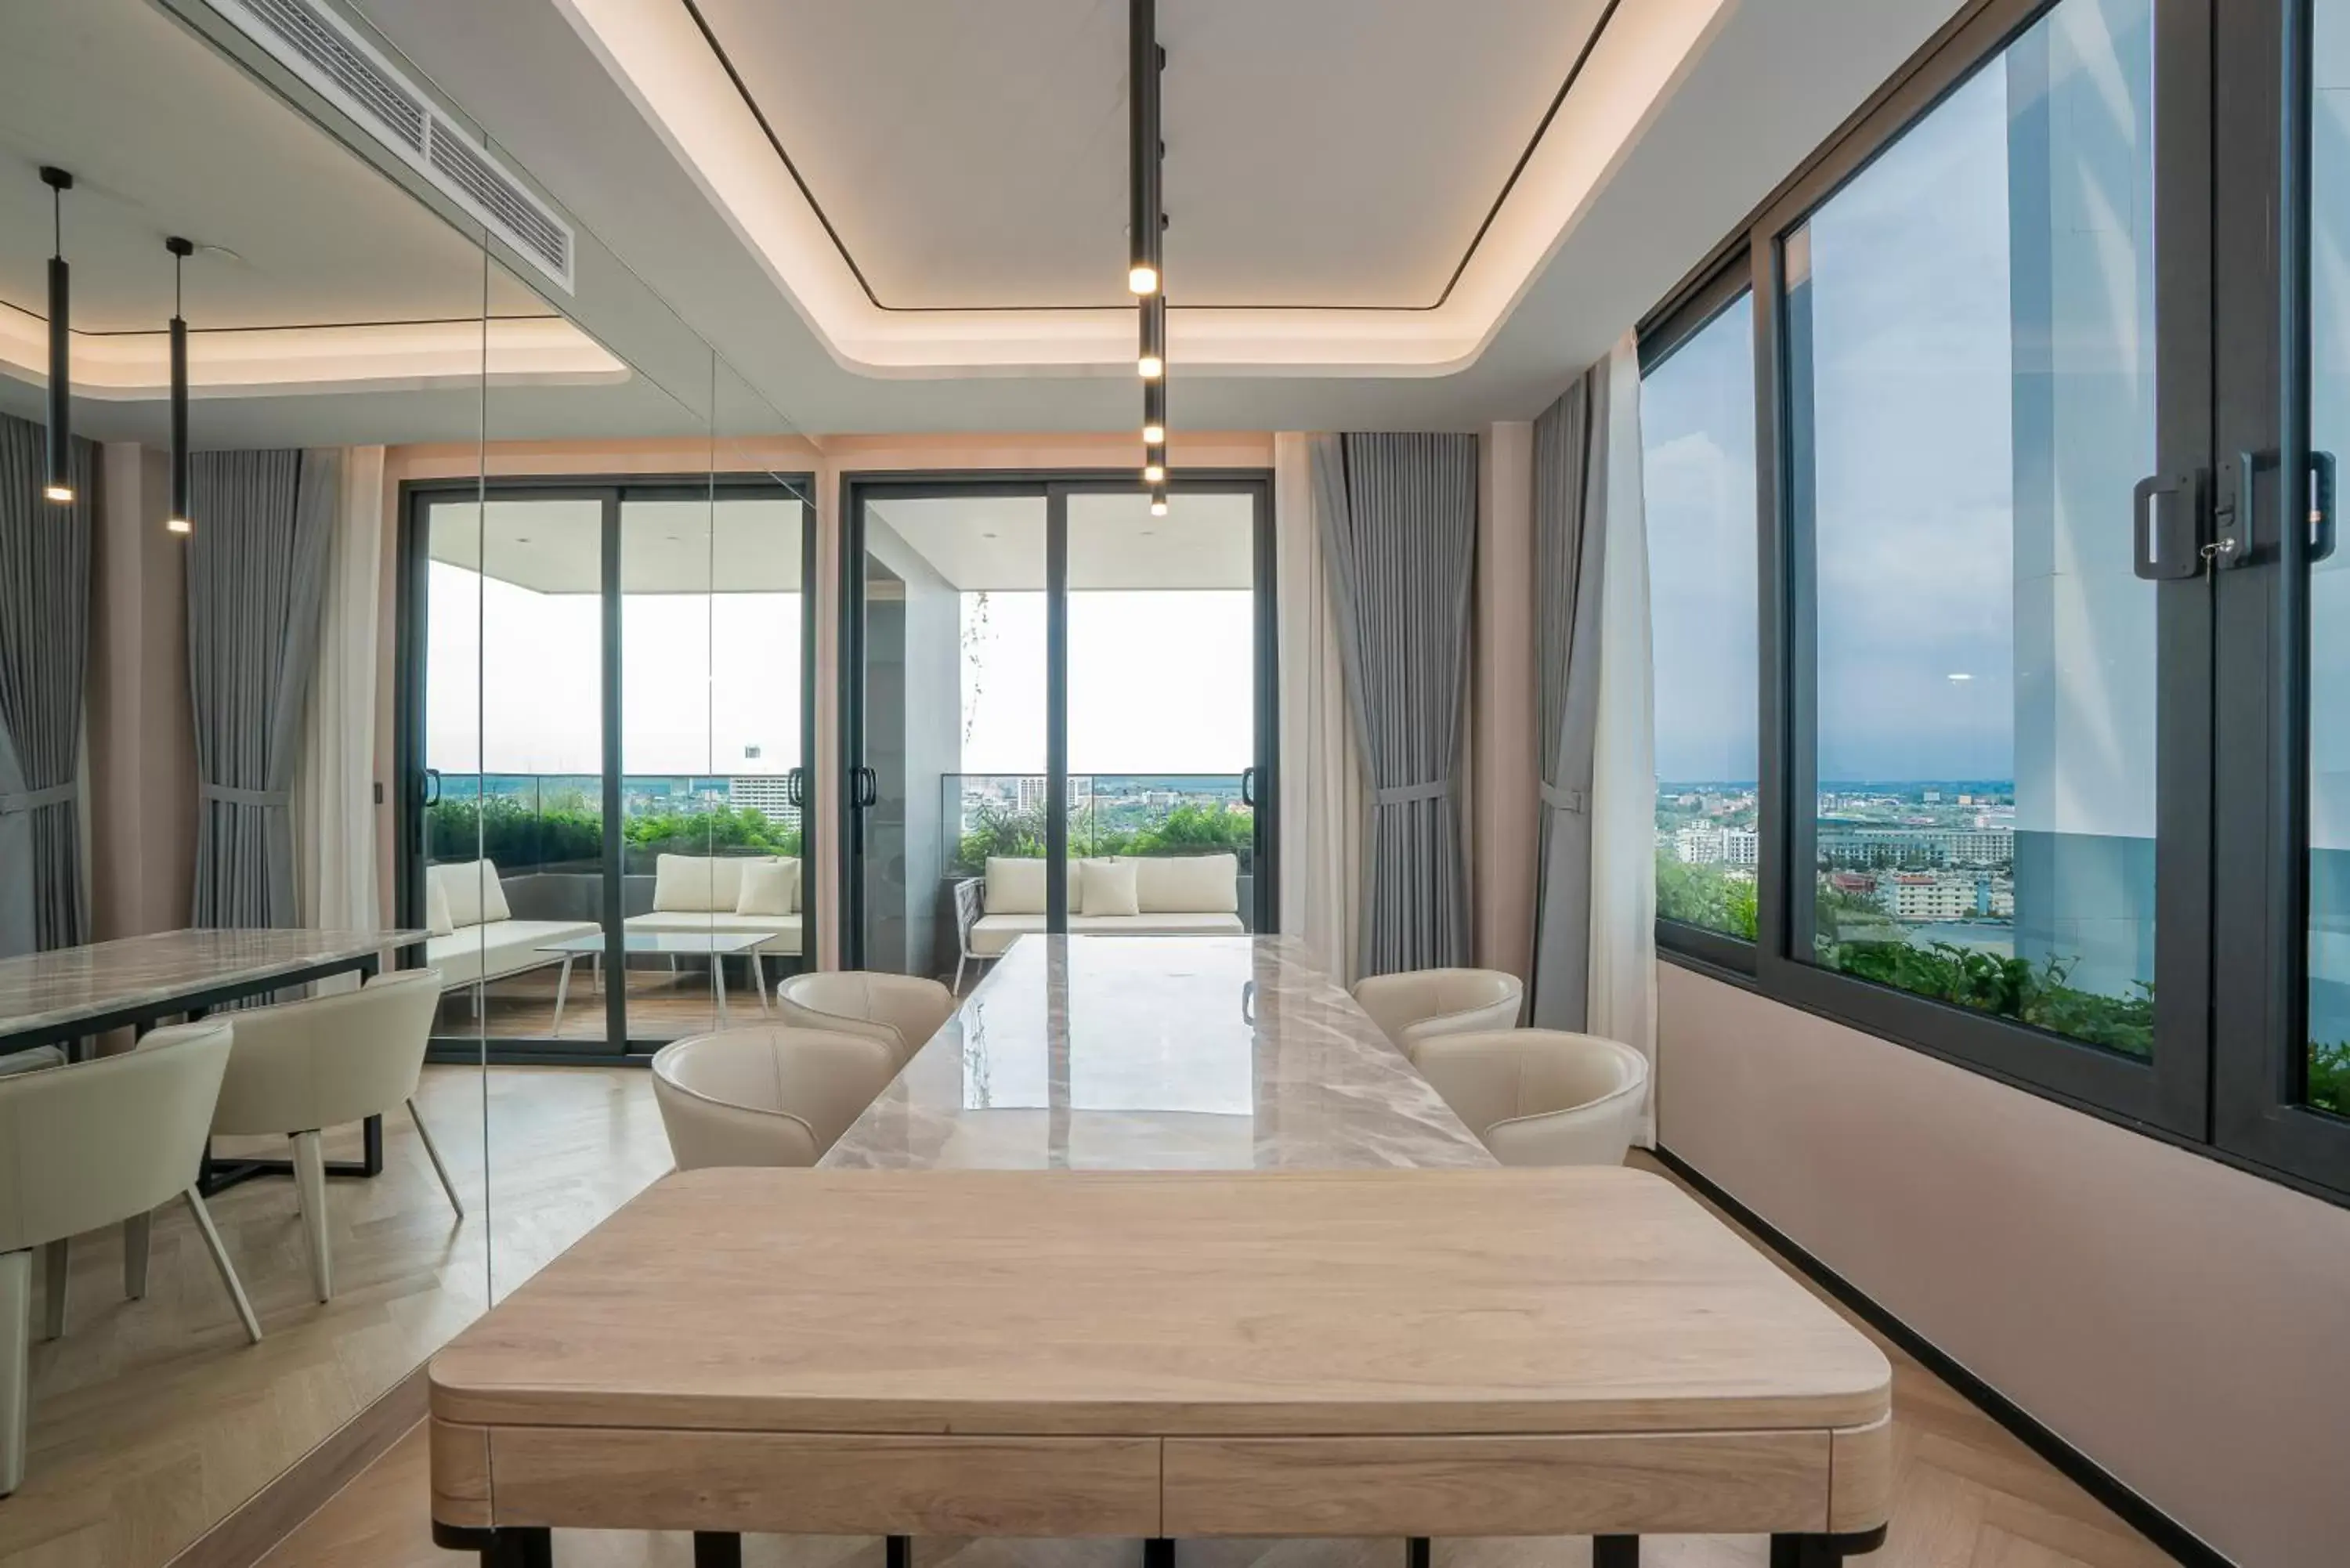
178 521
58 483
1144 274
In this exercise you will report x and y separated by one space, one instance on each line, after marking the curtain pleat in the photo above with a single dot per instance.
44 617
256 582
1570 487
1399 518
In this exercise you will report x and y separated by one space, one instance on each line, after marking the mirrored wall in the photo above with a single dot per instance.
528 563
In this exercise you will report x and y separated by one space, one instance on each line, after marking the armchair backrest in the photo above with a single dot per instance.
901 1009
329 1059
96 1143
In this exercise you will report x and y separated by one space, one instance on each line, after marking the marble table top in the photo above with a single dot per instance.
1158 1054
71 984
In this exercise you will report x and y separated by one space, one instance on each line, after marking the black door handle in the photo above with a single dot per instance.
2320 505
795 789
1248 787
429 788
864 788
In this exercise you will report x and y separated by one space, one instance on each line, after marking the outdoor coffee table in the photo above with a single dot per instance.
715 945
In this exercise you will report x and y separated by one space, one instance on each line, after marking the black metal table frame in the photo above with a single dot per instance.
219 1175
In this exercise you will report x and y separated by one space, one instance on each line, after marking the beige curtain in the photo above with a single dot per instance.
1321 780
335 810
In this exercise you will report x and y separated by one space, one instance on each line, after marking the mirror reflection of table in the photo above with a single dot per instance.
71 995
1164 1053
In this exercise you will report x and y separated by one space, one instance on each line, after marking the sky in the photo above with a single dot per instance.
1160 682
1915 354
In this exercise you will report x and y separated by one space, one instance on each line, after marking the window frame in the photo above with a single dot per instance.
2231 346
1722 284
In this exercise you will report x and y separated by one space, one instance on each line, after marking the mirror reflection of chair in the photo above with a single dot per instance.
1541 1096
900 1010
92 1145
302 1066
765 1096
1419 1004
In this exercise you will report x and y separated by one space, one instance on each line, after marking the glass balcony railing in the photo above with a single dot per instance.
1132 815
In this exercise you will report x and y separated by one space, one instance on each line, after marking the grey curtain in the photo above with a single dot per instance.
1570 560
1398 520
44 658
256 585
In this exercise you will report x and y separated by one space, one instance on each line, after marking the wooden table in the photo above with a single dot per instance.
1411 1353
71 995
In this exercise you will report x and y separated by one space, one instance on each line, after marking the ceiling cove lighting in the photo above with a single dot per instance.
176 520
57 484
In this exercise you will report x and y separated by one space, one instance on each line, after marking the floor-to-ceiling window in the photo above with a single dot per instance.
1093 642
609 684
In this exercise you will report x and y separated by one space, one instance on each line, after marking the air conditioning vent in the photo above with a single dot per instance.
368 84
325 51
525 223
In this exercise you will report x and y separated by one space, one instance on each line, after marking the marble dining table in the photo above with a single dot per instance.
1176 1052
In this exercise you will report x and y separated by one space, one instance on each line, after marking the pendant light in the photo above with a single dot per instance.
1154 420
1150 362
1143 273
176 520
57 484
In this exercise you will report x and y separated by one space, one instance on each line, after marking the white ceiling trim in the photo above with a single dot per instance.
660 61
412 356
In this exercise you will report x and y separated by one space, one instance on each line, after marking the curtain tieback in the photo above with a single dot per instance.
1560 798
276 799
1404 795
35 799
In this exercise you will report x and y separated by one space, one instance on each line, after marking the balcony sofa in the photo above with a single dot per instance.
727 893
472 934
1170 895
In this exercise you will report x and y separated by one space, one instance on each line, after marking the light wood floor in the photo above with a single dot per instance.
153 1420
1969 1496
663 1004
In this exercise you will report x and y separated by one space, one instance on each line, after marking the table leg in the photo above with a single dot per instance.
718 984
562 995
1417 1550
717 1549
897 1552
1158 1551
1614 1551
1823 1550
759 980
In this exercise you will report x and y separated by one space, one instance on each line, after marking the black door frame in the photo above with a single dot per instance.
1054 486
412 610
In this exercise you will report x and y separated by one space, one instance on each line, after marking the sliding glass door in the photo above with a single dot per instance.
605 728
1039 675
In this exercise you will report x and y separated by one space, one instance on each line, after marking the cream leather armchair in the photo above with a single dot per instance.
302 1066
765 1096
1419 1004
900 1010
1541 1096
99 1144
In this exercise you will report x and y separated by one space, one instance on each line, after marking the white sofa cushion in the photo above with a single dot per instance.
1187 884
438 921
473 892
769 888
990 934
1015 886
497 948
707 882
1109 886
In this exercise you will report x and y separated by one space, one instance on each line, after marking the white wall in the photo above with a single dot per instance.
2184 1324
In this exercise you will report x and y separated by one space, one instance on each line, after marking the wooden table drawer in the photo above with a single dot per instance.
1692 1482
824 1483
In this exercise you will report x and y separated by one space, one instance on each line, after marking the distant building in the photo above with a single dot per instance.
1698 846
1840 844
769 795
1923 896
1741 846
